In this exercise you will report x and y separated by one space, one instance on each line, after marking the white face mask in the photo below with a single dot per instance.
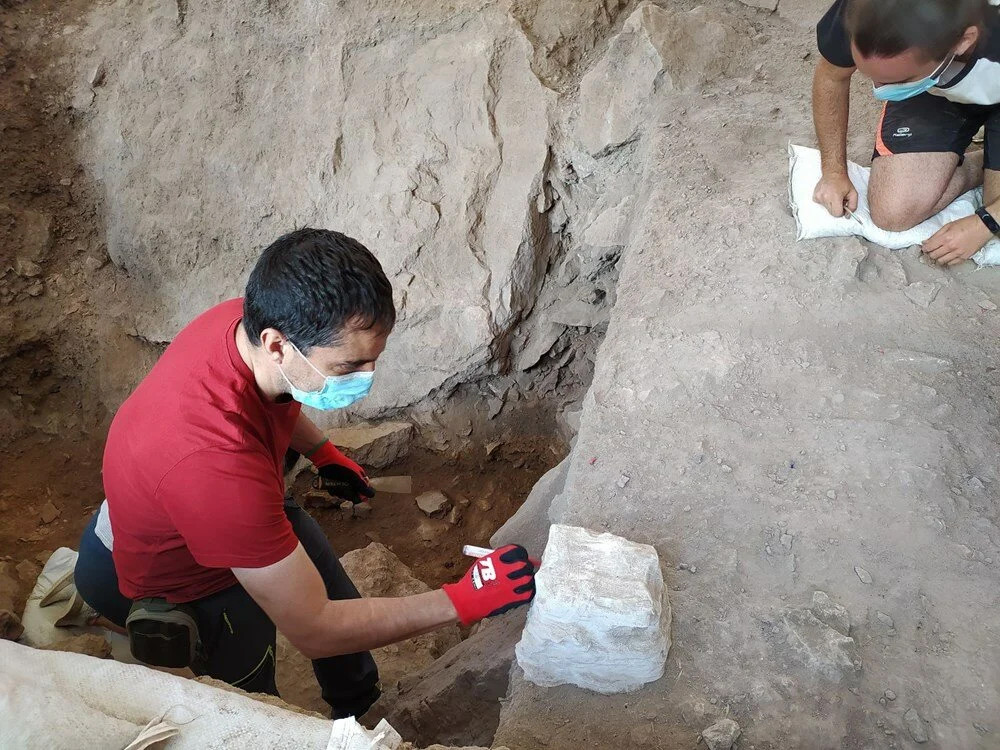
337 391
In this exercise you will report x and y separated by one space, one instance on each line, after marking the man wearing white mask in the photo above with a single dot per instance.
196 552
936 65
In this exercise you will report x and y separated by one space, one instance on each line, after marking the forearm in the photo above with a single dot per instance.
831 98
306 435
352 625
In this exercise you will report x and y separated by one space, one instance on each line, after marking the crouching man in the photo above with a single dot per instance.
936 65
197 552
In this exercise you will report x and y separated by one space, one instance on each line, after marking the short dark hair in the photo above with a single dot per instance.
885 28
312 283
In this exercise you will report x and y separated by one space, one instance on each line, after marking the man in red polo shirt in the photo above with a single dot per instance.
196 524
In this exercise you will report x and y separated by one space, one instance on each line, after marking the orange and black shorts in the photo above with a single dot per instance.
932 124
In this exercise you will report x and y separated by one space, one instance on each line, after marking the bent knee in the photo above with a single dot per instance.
894 215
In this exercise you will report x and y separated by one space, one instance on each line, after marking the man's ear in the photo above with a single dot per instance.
968 41
276 347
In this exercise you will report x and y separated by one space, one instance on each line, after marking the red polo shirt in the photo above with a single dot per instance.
193 468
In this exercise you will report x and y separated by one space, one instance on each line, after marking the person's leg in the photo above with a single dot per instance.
96 580
991 150
349 683
918 165
238 641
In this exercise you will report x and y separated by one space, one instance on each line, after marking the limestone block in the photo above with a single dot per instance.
601 618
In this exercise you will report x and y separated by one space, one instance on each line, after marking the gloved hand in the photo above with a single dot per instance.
339 475
499 582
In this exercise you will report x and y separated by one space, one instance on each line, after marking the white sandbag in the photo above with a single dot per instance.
812 220
60 700
55 611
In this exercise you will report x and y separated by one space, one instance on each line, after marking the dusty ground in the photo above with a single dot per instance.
791 418
492 486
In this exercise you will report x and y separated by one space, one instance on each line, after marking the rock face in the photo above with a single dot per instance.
457 698
600 619
376 572
420 130
657 47
374 446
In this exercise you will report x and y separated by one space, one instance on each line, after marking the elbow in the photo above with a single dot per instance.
308 646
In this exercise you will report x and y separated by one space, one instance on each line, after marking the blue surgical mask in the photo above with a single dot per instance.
338 391
897 92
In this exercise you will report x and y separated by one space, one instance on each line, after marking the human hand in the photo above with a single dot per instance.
340 476
834 191
957 241
496 583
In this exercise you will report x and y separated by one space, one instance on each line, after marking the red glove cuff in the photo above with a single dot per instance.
327 453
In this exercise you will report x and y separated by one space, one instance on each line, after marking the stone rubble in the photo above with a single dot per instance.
434 504
601 617
721 735
915 726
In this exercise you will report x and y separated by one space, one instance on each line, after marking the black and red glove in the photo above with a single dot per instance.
339 475
502 580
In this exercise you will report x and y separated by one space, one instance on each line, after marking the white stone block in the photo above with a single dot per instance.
600 619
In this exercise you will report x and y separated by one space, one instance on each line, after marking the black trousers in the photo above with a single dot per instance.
238 638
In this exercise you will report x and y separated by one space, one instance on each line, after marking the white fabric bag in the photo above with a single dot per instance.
812 220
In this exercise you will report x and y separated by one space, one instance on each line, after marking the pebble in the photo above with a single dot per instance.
434 503
27 268
726 468
721 735
831 494
915 726
884 619
49 512
362 510
889 695
864 575
623 480
65 182
987 305
786 541
687 508
27 571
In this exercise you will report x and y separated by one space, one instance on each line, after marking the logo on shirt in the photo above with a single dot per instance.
902 133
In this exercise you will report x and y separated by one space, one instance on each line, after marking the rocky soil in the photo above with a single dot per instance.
806 433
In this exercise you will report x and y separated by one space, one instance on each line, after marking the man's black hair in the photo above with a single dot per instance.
311 284
885 28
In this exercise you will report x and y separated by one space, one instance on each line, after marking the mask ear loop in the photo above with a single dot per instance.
940 70
314 367
288 380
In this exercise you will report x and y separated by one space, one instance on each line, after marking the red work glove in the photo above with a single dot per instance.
341 476
502 580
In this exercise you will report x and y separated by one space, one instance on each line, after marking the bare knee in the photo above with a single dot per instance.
897 214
